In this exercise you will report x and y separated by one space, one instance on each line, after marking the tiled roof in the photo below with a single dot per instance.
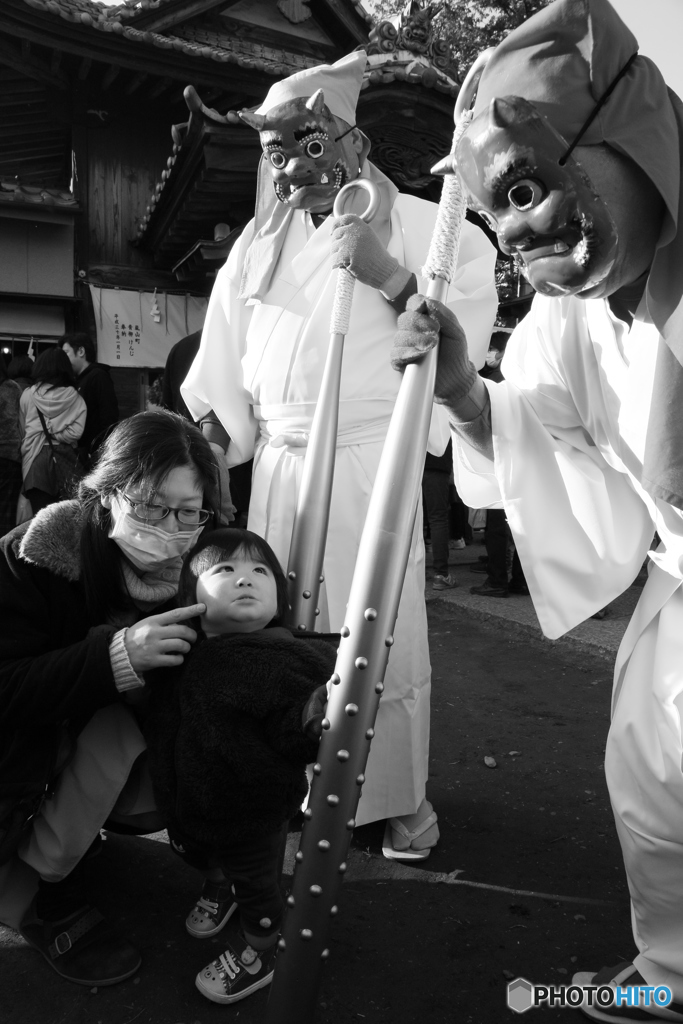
14 192
251 55
190 41
126 10
184 137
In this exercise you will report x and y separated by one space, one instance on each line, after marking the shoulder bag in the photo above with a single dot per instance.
57 466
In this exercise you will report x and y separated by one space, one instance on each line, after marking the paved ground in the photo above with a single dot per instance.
526 881
516 614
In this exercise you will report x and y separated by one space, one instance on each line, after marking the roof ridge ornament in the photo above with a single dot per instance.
294 11
412 30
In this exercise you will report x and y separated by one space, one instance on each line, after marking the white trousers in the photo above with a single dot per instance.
397 768
645 779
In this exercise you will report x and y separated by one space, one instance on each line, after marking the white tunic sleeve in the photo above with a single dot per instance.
216 379
581 523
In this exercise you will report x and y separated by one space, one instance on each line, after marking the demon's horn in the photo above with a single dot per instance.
316 102
501 113
257 121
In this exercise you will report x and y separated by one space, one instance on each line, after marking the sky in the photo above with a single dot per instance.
658 27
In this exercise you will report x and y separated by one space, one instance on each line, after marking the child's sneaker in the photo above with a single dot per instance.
443 582
237 973
214 908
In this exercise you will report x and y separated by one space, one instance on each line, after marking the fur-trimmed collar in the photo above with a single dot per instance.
53 539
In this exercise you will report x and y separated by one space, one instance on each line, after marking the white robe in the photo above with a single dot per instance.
569 425
260 367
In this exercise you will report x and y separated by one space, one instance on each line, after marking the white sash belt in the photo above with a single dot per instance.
361 422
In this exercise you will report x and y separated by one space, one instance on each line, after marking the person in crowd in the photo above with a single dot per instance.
88 606
574 157
154 400
10 449
497 535
460 531
228 745
51 406
20 369
236 482
96 387
260 366
437 501
178 362
498 540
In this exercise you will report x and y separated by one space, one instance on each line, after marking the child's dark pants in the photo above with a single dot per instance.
254 867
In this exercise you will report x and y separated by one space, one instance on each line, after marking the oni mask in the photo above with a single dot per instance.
308 162
545 213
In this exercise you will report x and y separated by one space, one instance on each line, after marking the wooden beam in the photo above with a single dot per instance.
332 15
110 75
135 82
131 277
80 171
160 87
84 69
175 12
24 128
13 138
211 95
32 67
27 156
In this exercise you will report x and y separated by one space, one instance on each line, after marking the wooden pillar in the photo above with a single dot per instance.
79 145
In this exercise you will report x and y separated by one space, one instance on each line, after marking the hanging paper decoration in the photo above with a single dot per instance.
154 311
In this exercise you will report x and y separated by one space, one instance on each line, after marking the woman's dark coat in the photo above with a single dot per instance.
54 668
55 671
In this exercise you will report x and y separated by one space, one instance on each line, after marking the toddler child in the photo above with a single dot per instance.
229 737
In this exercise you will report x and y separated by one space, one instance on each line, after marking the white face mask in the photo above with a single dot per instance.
146 545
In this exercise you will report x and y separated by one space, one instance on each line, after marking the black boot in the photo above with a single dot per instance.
74 937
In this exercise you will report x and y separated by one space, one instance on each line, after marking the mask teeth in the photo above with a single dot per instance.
280 193
583 252
581 255
520 266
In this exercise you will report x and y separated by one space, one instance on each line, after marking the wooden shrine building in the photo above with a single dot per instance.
125 173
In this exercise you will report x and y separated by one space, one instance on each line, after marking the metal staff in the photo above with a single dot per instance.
309 532
357 682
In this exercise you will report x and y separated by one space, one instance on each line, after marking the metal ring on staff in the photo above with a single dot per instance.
344 193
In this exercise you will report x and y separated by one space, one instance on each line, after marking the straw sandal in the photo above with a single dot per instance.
409 854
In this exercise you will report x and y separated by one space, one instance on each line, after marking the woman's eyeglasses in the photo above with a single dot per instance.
153 513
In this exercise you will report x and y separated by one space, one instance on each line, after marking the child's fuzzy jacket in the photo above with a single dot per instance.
226 744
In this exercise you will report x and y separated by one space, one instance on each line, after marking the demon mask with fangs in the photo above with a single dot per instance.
307 152
543 208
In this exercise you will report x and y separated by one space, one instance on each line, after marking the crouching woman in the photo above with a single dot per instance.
88 605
